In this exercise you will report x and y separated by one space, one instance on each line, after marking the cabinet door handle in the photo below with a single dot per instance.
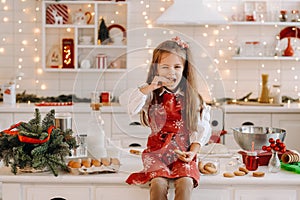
135 124
248 124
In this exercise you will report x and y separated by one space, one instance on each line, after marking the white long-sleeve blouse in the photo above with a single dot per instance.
134 100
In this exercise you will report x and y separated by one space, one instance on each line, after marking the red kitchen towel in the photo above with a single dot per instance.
62 10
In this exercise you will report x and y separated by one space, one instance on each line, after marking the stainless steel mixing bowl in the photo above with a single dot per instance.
245 135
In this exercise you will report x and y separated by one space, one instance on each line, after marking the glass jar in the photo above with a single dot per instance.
82 149
95 135
295 16
275 94
251 160
283 17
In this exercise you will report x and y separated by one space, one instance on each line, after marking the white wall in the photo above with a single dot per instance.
238 77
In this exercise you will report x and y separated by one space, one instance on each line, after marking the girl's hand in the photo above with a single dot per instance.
186 156
160 81
157 82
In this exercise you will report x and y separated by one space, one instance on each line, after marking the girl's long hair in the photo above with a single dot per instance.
193 100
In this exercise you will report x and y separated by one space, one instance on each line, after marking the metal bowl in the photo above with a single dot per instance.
245 135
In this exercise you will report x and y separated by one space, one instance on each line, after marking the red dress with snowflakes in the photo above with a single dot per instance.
168 132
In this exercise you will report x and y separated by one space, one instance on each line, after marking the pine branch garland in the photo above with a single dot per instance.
50 154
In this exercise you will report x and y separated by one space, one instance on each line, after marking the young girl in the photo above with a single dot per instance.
169 103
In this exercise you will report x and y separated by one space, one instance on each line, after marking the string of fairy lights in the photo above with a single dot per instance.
225 48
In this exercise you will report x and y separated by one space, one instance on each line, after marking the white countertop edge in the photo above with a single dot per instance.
286 108
77 107
270 179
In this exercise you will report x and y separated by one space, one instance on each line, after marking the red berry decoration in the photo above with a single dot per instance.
271 140
276 145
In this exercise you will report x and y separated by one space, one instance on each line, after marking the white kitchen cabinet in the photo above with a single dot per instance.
210 194
291 123
119 192
234 120
129 130
6 120
258 194
81 122
49 192
84 53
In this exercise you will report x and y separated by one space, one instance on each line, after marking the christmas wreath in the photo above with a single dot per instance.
37 144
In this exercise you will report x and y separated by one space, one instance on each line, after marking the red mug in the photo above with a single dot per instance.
105 97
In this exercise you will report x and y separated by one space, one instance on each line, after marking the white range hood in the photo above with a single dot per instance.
190 12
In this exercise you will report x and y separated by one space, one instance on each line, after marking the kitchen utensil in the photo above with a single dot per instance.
245 135
63 121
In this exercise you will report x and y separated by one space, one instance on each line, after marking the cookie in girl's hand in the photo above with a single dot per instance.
177 151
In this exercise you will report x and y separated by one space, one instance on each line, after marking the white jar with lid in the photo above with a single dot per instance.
96 136
276 94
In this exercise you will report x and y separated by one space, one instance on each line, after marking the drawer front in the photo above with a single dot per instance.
48 192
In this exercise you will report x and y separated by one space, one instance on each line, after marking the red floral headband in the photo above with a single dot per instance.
180 42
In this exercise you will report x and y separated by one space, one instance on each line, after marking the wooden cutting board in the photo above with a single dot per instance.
249 103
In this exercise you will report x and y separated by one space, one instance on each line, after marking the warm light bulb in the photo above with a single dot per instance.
20 66
5 8
117 12
162 9
24 42
43 87
37 30
39 71
20 59
20 30
144 13
37 59
5 19
216 32
1 50
69 29
22 49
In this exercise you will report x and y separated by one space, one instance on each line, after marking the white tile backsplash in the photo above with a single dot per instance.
246 73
